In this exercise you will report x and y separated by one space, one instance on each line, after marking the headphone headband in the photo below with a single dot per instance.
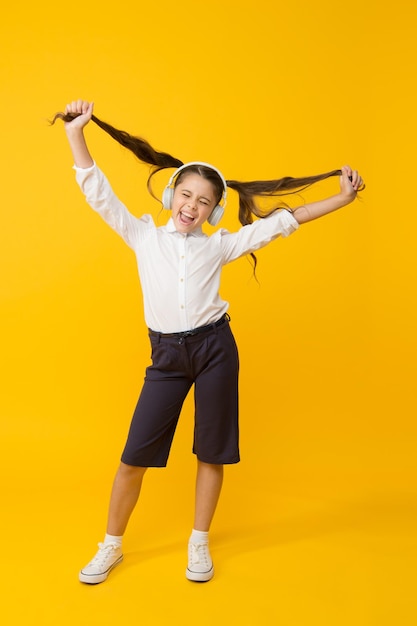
175 174
218 210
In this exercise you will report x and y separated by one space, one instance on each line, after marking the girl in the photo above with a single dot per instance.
192 343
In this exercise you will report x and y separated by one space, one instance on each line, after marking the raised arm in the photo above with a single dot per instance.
350 183
75 132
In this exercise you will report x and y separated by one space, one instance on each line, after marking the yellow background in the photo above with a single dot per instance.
317 525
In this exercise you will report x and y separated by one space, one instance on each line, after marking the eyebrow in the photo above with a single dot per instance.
201 197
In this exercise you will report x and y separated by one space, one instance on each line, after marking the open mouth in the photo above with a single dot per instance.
186 219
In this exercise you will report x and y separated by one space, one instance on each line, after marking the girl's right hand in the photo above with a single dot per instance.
82 112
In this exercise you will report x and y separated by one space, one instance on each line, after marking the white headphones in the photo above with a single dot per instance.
168 194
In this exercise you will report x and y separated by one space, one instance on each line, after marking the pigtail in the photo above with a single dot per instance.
140 147
248 191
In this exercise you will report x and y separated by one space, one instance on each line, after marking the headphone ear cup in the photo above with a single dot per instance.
167 197
216 215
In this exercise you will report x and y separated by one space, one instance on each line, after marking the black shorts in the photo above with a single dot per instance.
210 361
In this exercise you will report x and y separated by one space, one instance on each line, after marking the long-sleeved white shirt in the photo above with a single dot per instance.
179 273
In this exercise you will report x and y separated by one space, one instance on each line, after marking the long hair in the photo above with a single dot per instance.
247 191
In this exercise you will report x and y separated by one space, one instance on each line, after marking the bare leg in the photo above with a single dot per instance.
125 493
208 487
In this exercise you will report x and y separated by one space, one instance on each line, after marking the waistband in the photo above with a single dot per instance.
195 331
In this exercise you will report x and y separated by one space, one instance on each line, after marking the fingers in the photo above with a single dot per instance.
357 182
79 107
352 178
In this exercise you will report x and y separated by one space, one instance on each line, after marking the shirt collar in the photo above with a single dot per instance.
171 229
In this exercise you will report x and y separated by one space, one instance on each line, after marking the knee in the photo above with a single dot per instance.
130 472
210 467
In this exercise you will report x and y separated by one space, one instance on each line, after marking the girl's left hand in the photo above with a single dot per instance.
350 182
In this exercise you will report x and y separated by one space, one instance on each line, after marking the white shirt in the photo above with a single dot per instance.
179 273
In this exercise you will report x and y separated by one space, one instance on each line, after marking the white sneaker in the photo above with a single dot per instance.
200 566
108 556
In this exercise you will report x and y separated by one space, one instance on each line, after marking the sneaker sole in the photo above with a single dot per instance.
95 579
199 577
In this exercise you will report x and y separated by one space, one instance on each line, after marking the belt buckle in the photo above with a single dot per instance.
182 336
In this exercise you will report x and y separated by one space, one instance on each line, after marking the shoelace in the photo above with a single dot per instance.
103 554
199 553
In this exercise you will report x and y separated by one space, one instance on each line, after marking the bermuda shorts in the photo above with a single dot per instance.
208 360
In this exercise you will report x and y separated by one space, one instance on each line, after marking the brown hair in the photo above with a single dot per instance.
247 191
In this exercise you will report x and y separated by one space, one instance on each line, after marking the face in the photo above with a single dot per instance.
194 200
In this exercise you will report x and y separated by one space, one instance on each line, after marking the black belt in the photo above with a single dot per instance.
194 331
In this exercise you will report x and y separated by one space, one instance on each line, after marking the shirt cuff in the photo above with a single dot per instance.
288 221
84 169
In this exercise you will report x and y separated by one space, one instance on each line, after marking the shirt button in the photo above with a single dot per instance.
181 280
182 306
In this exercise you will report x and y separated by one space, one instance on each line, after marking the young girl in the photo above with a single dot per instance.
192 343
